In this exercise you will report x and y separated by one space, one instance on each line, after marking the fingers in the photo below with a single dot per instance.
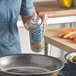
45 18
26 25
45 22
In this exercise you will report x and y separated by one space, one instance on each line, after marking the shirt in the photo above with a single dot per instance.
9 12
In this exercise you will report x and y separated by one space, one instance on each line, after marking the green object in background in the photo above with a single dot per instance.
74 59
74 3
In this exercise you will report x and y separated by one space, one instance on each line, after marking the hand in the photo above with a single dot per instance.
44 18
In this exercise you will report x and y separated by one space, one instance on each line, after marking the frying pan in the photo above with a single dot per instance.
29 65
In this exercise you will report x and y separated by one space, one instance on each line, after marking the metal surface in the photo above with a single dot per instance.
68 55
46 48
71 64
72 24
35 22
36 34
30 65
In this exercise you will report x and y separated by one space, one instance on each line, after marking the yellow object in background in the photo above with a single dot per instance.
66 3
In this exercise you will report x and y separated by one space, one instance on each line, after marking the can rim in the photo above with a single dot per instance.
32 26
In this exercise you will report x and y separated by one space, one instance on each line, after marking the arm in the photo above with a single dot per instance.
27 10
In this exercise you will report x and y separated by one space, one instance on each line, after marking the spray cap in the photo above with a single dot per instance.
35 21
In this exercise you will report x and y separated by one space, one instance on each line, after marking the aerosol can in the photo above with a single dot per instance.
36 33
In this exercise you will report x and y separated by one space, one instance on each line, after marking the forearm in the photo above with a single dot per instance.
25 18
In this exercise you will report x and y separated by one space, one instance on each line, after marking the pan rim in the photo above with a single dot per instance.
65 56
62 65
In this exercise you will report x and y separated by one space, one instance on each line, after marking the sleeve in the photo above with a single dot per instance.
27 7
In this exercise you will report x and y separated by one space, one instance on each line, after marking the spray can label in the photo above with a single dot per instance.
37 35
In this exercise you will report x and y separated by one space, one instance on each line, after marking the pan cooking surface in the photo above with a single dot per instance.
27 70
27 64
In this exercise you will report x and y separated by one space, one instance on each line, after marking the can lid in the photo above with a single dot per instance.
35 22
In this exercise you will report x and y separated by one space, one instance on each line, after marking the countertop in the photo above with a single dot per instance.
51 36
